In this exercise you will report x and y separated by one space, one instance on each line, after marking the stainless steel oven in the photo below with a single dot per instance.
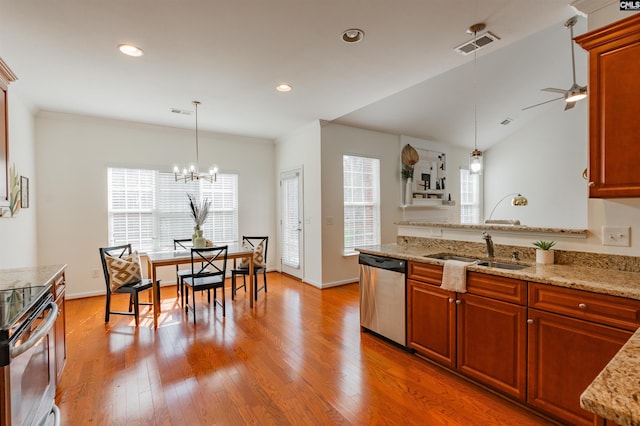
27 357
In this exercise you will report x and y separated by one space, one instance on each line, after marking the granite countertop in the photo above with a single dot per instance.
597 280
29 276
615 393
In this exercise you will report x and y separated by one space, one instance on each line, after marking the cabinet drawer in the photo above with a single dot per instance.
499 288
59 284
425 272
601 308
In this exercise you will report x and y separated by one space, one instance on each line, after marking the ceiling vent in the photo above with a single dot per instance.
181 111
480 41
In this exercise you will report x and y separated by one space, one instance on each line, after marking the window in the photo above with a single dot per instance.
469 197
148 208
361 177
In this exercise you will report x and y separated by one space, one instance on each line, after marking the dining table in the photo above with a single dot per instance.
156 259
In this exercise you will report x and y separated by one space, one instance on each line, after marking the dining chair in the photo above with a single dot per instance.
182 244
209 267
259 246
122 274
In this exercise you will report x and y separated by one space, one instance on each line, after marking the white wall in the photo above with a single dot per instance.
338 140
72 156
544 161
301 149
18 236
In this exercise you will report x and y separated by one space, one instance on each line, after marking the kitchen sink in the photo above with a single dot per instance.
445 256
501 265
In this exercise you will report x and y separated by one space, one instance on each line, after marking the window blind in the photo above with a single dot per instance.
148 208
290 245
361 182
469 197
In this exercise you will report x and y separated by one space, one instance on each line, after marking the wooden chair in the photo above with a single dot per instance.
132 288
208 275
181 244
252 242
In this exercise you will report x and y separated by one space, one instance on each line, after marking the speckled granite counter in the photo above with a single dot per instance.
30 276
597 280
615 393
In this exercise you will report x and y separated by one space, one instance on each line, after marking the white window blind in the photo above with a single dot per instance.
290 245
469 197
148 208
361 179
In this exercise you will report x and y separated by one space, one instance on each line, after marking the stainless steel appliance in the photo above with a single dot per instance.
382 296
27 356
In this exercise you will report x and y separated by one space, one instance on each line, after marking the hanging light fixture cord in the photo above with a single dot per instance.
196 103
193 173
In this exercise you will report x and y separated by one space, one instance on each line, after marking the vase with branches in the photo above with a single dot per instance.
199 213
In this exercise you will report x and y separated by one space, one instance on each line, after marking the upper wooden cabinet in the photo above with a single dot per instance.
614 94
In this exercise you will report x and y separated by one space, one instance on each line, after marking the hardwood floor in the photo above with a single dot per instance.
298 358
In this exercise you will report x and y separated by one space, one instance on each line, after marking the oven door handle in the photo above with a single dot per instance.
43 330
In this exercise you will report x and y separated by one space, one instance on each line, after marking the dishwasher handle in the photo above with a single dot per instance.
388 263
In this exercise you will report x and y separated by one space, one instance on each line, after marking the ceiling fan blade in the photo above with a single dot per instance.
569 105
541 103
554 90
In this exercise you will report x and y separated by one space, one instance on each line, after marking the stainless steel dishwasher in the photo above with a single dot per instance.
382 296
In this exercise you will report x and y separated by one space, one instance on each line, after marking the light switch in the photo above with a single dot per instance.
616 236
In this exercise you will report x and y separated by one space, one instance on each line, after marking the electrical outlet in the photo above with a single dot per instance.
616 236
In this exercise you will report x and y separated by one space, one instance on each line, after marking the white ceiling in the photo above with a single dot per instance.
230 55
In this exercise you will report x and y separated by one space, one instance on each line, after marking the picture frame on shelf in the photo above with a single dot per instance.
24 192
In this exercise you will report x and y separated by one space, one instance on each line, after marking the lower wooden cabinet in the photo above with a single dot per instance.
537 343
492 343
431 325
59 291
565 355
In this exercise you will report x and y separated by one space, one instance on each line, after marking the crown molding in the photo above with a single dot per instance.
6 75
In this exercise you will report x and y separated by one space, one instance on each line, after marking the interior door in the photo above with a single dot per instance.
291 230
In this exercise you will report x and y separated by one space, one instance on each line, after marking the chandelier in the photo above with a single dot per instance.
192 174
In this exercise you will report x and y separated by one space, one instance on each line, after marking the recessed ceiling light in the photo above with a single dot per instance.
352 35
130 50
284 87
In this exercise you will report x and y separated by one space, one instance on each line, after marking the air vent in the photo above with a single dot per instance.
181 111
478 43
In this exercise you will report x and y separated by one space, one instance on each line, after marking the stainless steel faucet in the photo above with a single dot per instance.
489 241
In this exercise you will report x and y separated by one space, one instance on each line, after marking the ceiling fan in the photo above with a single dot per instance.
575 92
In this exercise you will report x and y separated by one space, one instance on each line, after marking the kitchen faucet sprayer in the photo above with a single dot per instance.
489 241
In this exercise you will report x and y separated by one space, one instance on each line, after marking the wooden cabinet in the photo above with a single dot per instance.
431 316
614 90
59 289
492 339
572 336
481 333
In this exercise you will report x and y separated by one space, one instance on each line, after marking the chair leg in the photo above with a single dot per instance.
135 306
255 285
108 307
224 313
193 308
182 292
233 285
264 275
130 302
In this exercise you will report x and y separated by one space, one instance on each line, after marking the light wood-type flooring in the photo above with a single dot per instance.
298 358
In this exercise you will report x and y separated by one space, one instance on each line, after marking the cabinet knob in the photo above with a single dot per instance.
451 300
592 183
458 301
529 321
582 306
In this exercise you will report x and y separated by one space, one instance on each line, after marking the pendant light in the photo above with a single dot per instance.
192 174
475 160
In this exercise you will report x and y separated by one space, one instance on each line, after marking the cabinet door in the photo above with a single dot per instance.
565 355
60 337
431 322
492 343
614 128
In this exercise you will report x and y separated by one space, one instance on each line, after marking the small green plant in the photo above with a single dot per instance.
544 245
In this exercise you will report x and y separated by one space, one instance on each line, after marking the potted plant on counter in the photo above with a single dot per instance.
544 254
199 212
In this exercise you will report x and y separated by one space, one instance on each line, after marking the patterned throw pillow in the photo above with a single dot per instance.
123 270
258 255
